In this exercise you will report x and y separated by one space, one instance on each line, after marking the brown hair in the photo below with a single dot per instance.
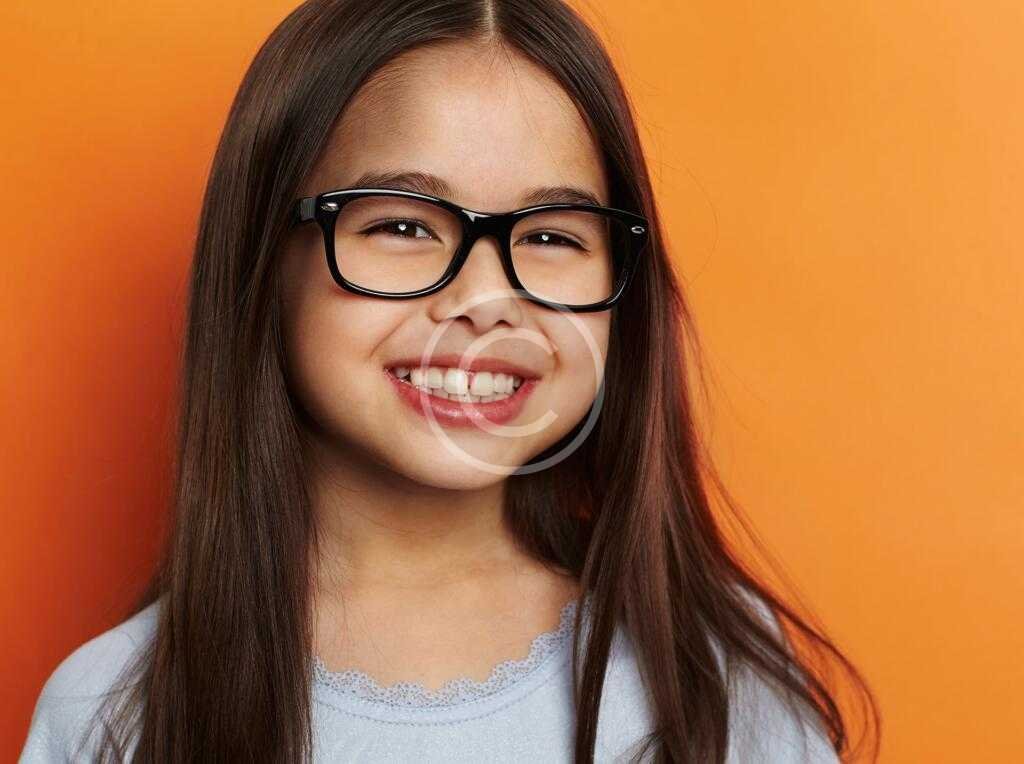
227 676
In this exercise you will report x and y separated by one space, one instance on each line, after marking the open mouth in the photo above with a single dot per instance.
458 398
459 385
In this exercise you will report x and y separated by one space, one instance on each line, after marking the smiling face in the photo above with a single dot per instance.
494 130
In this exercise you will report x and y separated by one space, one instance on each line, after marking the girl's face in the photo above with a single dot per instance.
493 129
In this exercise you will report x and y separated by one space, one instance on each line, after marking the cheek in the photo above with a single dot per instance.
582 350
330 340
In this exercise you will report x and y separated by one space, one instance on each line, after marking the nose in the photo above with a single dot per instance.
481 292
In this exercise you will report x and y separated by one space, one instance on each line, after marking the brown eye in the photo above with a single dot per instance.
402 227
551 238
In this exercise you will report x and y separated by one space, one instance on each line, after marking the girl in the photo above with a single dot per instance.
439 492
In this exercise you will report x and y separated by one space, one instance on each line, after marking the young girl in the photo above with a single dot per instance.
439 491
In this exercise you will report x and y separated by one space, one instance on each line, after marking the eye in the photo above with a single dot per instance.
403 227
551 238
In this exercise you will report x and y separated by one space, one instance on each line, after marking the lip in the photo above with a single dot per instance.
455 361
450 413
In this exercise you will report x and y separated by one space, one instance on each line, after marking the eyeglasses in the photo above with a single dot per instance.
397 244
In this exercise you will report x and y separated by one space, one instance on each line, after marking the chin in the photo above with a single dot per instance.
454 469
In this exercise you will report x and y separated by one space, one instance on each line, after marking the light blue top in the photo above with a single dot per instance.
521 713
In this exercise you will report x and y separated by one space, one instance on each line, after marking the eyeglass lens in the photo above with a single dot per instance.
396 244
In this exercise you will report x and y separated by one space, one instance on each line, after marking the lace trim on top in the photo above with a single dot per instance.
455 691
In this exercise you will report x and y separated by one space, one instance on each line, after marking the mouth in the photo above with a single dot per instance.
460 385
459 398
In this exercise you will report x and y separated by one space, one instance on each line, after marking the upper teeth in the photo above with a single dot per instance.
458 382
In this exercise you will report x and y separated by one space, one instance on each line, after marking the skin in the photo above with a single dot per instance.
415 552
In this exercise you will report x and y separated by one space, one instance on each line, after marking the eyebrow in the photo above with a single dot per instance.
433 185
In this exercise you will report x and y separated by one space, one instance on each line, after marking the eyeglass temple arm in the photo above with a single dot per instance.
303 210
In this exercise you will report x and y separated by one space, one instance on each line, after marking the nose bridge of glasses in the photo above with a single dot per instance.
480 225
485 224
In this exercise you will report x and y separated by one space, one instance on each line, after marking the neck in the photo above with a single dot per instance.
379 530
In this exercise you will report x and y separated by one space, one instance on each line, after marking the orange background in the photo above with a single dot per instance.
842 184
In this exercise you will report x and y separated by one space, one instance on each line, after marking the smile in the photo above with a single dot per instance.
456 398
460 385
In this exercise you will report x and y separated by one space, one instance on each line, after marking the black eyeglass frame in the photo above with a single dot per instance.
325 207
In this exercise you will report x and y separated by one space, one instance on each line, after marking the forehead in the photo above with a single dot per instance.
491 124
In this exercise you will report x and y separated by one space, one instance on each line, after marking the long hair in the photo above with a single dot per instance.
227 676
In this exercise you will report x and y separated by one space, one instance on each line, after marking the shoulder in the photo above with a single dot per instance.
765 723
626 713
93 666
77 686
